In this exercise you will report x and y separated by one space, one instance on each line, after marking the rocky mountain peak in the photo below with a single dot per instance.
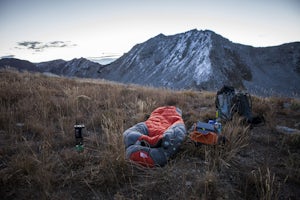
205 60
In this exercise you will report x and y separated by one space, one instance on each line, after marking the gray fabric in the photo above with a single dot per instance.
178 110
132 134
173 138
159 156
225 105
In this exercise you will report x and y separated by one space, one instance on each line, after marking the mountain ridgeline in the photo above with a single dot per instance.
200 60
77 67
206 60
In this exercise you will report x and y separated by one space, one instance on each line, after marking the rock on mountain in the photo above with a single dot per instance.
77 67
205 60
178 61
74 68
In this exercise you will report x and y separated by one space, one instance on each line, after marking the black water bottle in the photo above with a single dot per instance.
79 137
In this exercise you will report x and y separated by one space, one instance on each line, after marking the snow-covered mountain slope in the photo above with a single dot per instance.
179 61
205 60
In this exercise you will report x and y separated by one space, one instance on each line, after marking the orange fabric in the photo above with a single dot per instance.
151 140
142 158
161 119
209 138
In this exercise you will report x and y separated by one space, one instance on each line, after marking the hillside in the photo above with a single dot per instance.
206 60
38 159
77 67
80 67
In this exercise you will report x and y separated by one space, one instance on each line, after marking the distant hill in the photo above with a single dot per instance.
77 67
21 65
74 68
200 60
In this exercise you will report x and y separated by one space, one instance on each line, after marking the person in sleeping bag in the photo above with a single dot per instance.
152 142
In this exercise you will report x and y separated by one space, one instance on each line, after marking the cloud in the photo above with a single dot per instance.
8 56
30 44
40 46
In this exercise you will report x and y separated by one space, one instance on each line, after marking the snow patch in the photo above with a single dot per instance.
203 69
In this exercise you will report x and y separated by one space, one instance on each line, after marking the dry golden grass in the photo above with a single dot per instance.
38 159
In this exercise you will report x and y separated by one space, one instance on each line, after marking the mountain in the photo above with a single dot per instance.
200 60
76 67
205 60
21 65
104 60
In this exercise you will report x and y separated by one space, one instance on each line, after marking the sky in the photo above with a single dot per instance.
43 30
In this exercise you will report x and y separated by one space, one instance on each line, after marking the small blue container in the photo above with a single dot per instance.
211 121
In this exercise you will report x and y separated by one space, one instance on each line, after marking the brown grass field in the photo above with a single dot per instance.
38 159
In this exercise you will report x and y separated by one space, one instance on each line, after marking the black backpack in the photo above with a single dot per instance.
229 102
242 104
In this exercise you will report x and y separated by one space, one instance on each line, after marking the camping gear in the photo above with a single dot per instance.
229 102
218 127
79 137
204 127
204 133
224 103
153 142
243 105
